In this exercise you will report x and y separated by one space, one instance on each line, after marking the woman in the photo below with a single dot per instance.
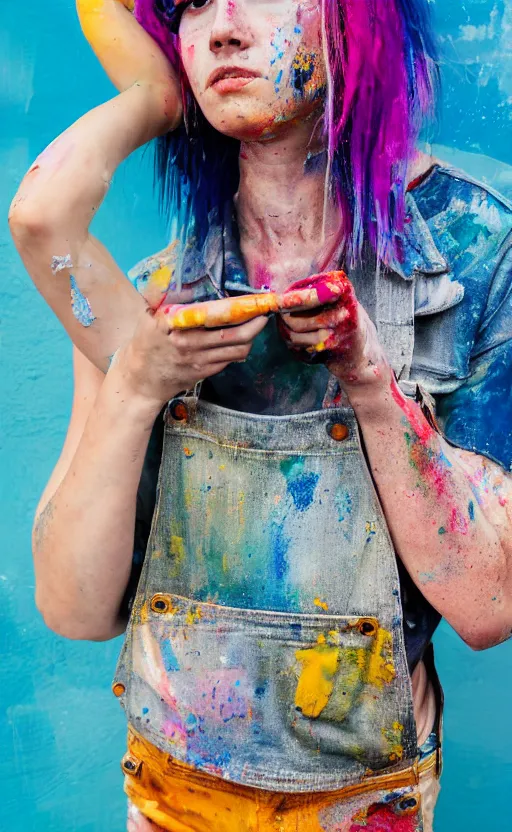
277 672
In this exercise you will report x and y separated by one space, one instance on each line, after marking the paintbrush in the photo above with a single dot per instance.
311 293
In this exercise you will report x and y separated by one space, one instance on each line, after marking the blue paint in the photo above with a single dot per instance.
280 546
69 714
169 659
471 510
302 490
80 305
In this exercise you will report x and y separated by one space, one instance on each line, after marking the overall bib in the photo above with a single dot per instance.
265 645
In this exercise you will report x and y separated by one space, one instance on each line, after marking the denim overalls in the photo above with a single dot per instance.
265 644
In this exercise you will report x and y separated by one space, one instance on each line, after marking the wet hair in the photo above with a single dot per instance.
383 78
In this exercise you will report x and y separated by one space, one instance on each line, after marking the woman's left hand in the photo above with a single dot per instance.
340 334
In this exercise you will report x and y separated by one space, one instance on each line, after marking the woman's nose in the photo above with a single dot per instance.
229 31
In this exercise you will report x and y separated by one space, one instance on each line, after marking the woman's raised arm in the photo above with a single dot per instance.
60 194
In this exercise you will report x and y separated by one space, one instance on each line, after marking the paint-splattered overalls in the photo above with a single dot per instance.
265 647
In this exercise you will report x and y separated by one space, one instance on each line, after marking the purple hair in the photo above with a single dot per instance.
382 65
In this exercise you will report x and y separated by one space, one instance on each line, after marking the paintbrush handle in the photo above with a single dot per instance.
326 289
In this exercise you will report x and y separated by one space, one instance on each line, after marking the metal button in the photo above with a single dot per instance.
118 689
160 603
338 432
178 410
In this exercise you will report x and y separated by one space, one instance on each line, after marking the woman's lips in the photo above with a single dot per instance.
231 79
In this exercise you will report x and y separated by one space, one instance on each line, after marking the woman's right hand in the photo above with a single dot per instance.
158 363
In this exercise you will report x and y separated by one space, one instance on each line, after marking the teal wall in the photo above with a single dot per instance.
61 732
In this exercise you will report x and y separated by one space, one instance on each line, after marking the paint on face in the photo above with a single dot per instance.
303 67
61 262
80 305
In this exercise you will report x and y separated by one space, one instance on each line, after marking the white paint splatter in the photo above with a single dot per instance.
61 262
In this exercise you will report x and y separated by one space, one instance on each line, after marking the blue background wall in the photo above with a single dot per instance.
61 732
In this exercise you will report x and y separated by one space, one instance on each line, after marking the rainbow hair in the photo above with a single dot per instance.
382 66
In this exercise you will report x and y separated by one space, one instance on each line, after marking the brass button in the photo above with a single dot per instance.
367 628
338 432
131 765
178 410
118 689
160 603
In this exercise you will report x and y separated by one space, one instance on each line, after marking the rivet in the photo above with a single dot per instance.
130 765
118 689
338 432
407 805
159 603
367 628
178 410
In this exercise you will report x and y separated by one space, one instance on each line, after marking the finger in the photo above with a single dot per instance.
307 339
205 339
214 369
329 318
220 355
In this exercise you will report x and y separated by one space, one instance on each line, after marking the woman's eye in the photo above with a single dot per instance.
199 4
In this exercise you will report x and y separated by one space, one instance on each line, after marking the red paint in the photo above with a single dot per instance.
262 277
458 523
412 412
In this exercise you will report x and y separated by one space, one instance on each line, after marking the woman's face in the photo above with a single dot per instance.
253 66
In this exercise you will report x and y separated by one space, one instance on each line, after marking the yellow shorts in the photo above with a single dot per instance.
169 796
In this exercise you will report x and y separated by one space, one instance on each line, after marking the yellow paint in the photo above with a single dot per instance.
157 554
188 453
177 548
241 513
225 565
321 347
381 670
193 616
393 738
222 467
318 603
316 681
188 498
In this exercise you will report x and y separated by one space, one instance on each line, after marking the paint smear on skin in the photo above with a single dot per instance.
59 263
262 277
471 510
303 67
458 522
413 414
80 305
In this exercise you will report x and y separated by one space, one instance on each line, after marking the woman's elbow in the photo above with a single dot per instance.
66 622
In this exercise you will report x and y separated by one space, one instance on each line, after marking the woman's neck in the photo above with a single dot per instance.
280 207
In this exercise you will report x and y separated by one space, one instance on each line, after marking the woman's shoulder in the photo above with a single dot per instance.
454 202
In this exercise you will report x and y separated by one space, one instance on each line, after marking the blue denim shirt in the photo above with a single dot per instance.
457 246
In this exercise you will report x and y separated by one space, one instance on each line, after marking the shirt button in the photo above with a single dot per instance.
338 432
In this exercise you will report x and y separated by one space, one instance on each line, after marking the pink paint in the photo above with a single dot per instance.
458 522
262 277
190 51
413 414
230 8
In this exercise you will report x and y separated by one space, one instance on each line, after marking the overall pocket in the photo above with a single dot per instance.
278 700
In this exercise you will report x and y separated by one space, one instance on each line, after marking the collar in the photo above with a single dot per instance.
220 258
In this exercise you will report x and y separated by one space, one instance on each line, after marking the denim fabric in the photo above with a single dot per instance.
266 640
457 251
